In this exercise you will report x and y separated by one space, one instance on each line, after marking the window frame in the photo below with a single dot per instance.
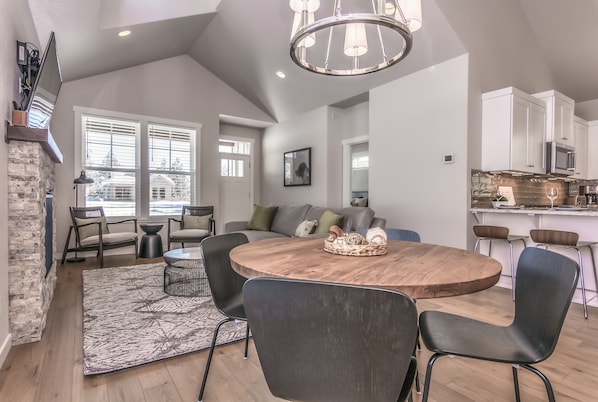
143 191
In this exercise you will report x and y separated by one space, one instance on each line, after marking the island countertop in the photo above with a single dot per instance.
539 211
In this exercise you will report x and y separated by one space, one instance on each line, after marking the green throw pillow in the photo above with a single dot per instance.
328 219
91 230
197 221
262 217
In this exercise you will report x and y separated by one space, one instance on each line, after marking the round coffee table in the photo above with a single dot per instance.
184 274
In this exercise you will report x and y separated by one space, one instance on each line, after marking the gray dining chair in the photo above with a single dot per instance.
324 342
397 234
544 288
226 287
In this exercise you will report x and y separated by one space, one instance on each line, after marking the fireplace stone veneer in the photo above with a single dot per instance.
30 284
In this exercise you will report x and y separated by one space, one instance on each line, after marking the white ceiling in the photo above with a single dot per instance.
245 42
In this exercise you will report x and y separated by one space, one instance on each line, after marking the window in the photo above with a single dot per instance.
360 160
233 167
140 168
170 162
109 149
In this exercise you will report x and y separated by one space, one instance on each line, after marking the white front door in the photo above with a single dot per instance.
235 196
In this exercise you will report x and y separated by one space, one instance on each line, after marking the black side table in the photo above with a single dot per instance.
151 242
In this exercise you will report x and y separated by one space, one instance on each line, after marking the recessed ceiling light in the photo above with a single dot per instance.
124 33
280 74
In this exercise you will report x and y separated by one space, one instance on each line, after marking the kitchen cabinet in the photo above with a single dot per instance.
513 131
580 130
559 117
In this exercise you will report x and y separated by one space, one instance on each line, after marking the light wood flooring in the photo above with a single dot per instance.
51 369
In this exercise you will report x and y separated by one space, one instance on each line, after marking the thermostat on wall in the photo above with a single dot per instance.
449 158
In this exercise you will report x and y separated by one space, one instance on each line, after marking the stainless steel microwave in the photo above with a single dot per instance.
560 159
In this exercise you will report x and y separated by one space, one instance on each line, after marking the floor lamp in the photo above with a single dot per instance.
81 180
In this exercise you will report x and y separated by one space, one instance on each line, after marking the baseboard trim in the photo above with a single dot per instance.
5 348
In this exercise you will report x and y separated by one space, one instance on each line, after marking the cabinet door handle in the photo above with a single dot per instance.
530 165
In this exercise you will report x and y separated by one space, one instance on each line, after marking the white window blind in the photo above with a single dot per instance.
169 148
110 159
110 143
170 159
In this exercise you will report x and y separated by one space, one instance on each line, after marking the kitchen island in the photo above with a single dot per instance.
520 221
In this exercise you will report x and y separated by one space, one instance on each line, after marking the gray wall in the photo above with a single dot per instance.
15 24
177 88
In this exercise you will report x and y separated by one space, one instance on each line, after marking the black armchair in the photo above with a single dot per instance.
92 233
196 223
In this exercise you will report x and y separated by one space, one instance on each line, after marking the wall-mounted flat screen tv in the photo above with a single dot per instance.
45 89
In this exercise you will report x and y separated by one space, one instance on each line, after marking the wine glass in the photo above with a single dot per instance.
552 193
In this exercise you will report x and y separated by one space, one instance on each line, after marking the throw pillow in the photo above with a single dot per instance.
306 228
328 219
91 230
262 217
197 221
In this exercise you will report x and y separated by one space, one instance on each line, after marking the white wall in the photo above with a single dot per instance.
355 121
15 24
414 121
177 88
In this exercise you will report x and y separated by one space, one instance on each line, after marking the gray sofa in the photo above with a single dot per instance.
288 217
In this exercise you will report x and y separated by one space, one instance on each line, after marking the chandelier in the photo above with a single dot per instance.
352 37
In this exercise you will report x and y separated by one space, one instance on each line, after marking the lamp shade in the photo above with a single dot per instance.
352 37
83 179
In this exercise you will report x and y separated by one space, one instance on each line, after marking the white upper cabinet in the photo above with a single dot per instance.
559 117
580 129
513 131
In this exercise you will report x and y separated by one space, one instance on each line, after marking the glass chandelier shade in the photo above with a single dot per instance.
352 37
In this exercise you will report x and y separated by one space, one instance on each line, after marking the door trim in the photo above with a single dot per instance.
347 165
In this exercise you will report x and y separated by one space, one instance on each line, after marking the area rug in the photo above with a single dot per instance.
128 320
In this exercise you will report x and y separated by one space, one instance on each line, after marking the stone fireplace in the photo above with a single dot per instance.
31 237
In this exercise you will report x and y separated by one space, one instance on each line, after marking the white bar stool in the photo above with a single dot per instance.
491 233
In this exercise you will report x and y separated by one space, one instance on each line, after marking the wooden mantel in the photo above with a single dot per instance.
41 135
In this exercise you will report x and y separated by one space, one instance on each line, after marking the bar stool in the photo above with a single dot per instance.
491 233
546 237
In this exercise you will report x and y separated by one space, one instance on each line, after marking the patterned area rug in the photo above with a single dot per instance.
128 320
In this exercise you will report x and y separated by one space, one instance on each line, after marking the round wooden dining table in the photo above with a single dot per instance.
420 270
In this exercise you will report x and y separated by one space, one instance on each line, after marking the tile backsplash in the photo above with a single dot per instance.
527 190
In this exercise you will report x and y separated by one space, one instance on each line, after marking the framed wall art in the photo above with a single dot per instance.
297 167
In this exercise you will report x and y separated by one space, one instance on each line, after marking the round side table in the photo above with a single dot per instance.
184 274
151 242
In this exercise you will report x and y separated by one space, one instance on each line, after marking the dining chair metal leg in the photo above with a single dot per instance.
547 384
246 341
516 382
212 346
429 375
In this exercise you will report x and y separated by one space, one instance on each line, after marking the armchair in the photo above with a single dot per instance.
196 223
92 233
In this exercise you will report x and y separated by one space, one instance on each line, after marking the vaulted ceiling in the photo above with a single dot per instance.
245 43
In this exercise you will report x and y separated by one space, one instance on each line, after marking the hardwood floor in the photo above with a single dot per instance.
51 369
